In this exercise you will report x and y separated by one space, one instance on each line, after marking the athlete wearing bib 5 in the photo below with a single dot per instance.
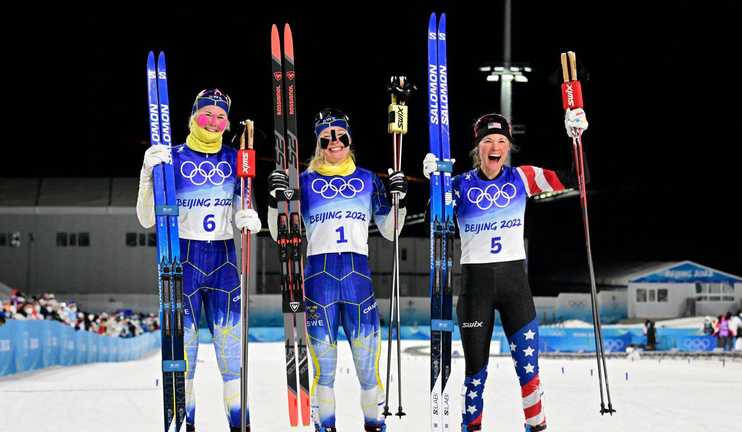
490 203
208 192
338 202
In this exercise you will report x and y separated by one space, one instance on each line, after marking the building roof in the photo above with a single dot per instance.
685 272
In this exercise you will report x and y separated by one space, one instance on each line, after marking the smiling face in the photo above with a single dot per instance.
494 150
212 118
336 150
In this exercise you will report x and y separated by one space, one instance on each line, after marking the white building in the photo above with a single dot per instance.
682 289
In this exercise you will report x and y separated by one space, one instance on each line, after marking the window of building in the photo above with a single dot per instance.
142 239
3 239
131 239
662 295
61 239
641 295
72 237
83 239
151 239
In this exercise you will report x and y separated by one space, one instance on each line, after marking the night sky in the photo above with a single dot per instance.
658 82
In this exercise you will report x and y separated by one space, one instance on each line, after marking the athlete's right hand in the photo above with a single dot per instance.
277 180
430 164
156 155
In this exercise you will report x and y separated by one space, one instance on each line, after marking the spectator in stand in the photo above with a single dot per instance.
722 333
736 324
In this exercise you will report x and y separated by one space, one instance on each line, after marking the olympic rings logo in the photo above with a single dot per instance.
492 195
697 344
337 186
614 345
206 171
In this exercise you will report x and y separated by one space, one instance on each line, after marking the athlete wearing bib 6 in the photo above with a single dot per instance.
338 202
208 192
490 203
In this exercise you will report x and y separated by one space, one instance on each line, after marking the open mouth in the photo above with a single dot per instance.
495 157
335 149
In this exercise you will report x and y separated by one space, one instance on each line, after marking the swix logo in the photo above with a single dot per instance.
162 75
441 36
245 162
294 306
432 36
570 94
475 324
400 118
151 74
290 75
236 299
277 76
288 193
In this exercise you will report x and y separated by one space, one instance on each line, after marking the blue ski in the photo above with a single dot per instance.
441 228
170 272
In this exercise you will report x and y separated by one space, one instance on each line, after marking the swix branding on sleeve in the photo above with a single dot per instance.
206 185
337 211
491 213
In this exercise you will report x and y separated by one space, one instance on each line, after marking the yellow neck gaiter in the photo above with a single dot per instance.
202 140
347 167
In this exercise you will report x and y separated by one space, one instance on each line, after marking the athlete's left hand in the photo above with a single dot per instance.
575 121
397 183
247 218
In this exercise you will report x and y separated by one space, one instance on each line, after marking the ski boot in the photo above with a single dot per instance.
381 428
541 427
190 428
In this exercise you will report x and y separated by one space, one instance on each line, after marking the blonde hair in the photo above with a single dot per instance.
318 159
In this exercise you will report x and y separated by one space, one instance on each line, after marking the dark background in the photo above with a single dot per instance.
659 80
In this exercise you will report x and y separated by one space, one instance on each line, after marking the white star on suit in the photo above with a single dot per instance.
471 409
529 368
512 347
476 382
530 334
529 351
472 395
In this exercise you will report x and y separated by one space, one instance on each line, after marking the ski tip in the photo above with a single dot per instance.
151 56
275 43
431 21
288 42
161 61
442 23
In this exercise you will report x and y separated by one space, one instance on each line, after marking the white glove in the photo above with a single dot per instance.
430 164
575 121
247 218
156 154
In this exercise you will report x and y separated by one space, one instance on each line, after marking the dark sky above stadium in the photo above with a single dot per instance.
658 79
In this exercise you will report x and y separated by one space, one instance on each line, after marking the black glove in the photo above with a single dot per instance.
397 185
278 180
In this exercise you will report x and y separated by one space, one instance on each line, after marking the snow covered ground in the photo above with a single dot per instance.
667 395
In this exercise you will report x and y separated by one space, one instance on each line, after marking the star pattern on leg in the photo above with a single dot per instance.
529 368
473 395
476 382
529 351
530 334
512 347
471 409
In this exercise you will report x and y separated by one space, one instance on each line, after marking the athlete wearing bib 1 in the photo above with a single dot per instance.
338 203
490 203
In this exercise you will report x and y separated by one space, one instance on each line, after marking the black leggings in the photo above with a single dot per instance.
486 288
